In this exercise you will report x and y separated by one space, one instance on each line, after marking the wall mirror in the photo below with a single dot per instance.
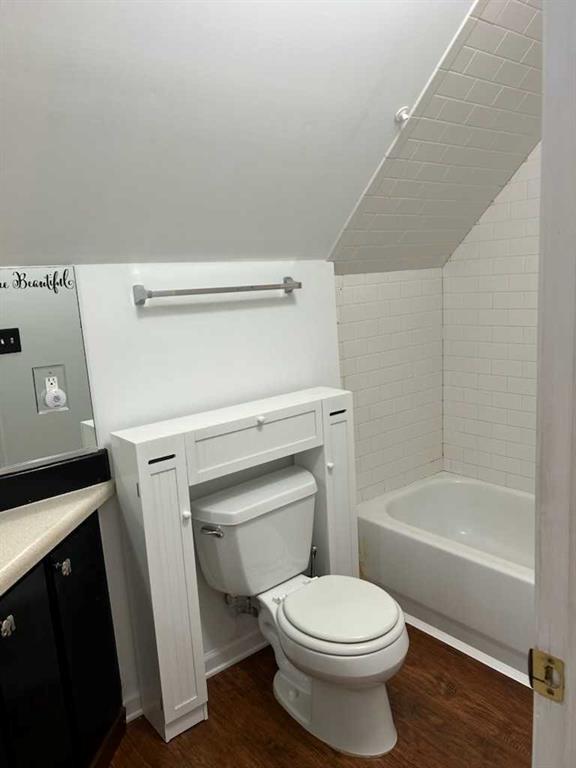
45 406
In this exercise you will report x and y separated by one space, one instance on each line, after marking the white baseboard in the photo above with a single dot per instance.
469 650
221 658
215 661
133 707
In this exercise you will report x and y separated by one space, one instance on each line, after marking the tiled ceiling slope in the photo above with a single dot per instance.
473 126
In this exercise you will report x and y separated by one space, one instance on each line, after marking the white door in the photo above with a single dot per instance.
555 723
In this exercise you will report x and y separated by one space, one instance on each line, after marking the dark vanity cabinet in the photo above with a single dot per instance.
85 636
60 691
3 756
34 720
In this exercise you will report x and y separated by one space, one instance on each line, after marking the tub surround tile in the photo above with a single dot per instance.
489 328
442 362
390 334
28 533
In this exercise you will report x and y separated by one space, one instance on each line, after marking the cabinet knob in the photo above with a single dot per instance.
8 626
65 567
329 466
186 515
260 420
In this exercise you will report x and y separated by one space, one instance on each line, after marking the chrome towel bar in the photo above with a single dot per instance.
141 294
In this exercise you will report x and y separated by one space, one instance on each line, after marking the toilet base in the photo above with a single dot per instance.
356 721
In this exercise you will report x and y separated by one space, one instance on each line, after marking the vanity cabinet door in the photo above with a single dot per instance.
33 718
3 754
83 622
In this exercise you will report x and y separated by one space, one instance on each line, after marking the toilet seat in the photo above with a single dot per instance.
340 616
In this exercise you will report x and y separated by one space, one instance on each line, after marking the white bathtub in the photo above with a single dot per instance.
457 554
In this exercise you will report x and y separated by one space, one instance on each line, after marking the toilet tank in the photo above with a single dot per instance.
255 535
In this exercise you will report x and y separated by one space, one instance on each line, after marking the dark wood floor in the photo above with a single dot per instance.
450 711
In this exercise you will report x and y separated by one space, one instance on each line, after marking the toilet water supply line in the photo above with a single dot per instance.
313 553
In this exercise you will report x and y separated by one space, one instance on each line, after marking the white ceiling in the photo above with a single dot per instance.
472 128
178 130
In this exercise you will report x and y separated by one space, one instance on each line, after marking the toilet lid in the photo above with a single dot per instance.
341 609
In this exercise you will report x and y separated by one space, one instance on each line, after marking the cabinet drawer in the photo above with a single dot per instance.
230 447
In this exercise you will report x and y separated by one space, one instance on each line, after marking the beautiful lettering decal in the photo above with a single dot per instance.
51 281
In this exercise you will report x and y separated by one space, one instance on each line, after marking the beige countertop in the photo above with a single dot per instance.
30 532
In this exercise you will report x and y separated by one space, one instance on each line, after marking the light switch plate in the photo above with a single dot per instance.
9 341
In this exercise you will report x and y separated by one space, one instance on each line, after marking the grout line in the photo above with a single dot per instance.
431 142
513 31
472 104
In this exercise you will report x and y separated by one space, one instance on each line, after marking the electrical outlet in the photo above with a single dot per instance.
51 388
10 341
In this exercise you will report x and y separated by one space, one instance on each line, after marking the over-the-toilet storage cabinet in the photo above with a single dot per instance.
155 467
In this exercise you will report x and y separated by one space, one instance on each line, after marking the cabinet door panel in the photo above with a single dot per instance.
170 551
33 717
83 623
343 526
3 753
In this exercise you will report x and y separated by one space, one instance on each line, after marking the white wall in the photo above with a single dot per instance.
174 130
174 357
390 334
490 312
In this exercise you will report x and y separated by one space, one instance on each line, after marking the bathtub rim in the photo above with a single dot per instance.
375 511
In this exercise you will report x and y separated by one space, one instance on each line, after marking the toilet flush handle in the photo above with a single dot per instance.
212 530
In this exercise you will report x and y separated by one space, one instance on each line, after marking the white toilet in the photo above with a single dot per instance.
337 639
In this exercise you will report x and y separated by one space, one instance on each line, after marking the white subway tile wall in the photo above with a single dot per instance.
390 334
490 289
473 126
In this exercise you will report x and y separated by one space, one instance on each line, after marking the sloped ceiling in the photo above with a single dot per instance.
473 126
165 130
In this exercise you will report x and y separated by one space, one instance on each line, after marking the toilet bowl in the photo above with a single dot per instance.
336 639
